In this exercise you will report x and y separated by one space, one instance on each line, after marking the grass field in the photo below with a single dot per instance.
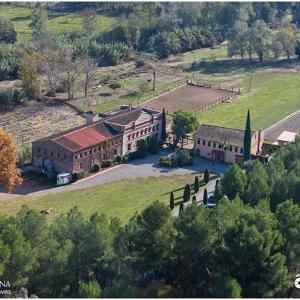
274 95
118 199
57 22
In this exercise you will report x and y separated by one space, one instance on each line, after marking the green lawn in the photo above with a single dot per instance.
218 53
57 22
118 199
274 95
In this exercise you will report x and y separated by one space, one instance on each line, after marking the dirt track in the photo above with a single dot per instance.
188 98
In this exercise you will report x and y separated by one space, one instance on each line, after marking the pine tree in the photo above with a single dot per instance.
247 138
206 176
180 208
171 200
196 184
163 127
187 193
205 197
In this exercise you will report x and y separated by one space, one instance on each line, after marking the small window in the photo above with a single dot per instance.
51 153
76 156
198 141
129 146
236 149
215 145
94 150
230 148
146 130
104 156
58 155
220 146
241 150
129 136
90 152
115 152
80 155
38 150
81 165
65 156
208 144
142 132
85 153
203 142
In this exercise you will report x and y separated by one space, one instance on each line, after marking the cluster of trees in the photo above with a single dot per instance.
276 181
258 39
234 250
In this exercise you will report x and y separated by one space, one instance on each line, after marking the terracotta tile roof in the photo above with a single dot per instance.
83 137
222 134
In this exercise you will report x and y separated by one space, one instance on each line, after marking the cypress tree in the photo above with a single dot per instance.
194 199
217 194
206 176
186 193
196 184
163 126
205 197
247 139
180 208
171 200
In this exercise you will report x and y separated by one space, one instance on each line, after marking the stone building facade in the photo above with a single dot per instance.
81 148
225 144
77 150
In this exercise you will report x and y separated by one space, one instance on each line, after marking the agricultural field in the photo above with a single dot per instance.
122 198
57 22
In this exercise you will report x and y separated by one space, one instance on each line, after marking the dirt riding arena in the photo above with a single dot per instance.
190 97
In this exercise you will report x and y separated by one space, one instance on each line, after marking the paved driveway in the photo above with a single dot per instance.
137 168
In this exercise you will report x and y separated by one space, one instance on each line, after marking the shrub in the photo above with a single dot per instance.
142 148
118 159
106 164
165 163
96 168
78 175
184 158
153 145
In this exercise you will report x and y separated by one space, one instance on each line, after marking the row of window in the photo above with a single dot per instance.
142 132
83 154
52 154
220 146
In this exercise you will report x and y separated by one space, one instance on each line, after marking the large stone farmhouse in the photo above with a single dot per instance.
81 148
225 144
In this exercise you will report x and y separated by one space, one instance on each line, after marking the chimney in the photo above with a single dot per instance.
91 117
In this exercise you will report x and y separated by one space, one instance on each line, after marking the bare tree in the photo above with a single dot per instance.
69 70
89 70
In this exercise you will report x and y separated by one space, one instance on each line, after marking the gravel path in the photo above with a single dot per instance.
139 168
